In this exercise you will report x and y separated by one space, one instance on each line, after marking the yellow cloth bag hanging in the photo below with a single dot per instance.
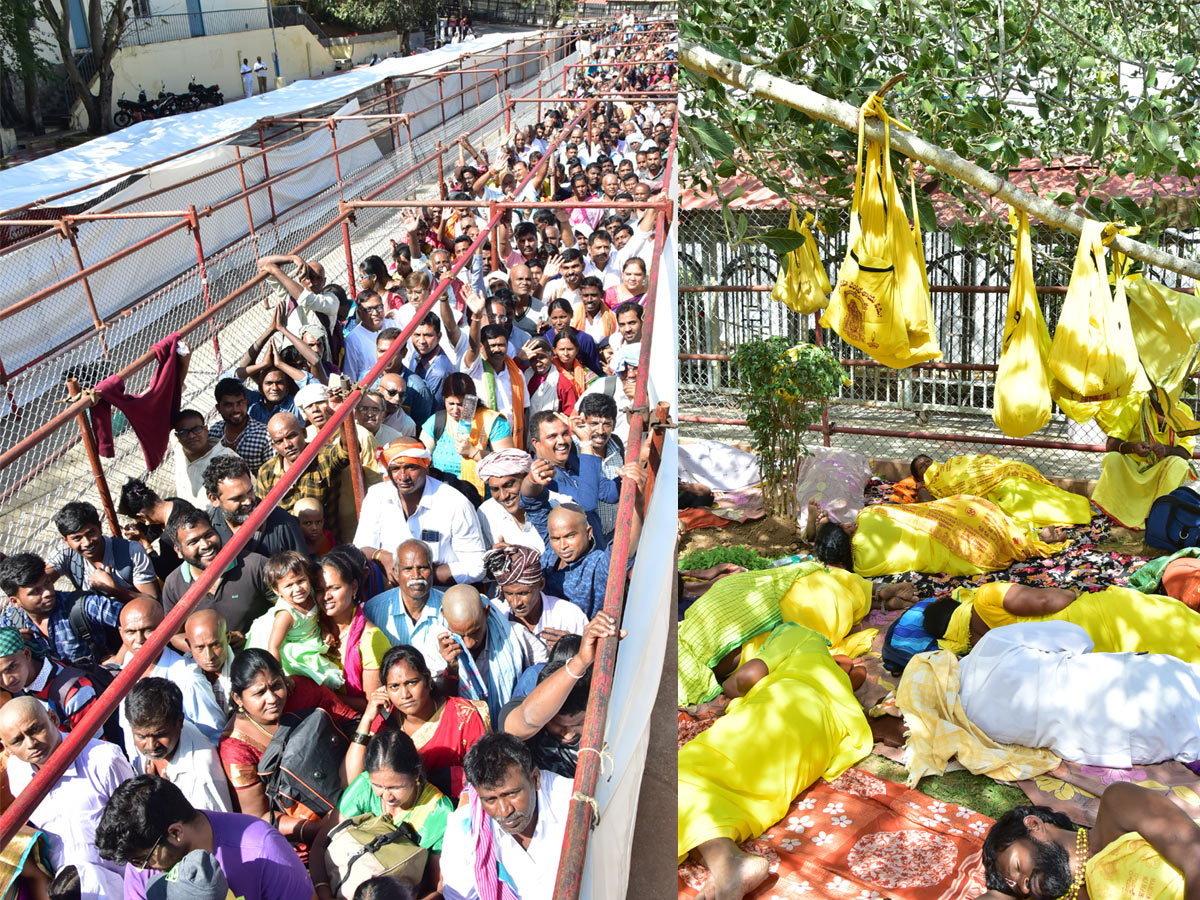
1092 355
1166 330
802 285
881 302
1022 393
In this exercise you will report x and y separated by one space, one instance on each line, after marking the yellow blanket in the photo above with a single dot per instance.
939 730
960 535
1017 488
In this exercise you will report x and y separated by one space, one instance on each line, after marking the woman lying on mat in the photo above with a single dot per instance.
1118 619
1019 489
960 535
789 718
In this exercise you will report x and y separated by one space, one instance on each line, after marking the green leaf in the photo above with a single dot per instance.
1185 65
781 240
742 225
1158 134
865 5
712 136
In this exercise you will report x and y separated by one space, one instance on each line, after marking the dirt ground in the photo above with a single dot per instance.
772 537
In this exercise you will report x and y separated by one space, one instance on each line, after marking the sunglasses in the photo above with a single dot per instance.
187 432
140 863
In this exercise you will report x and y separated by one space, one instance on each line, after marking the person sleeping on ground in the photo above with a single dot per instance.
1177 575
1019 489
789 718
744 605
1149 454
1040 684
1142 845
1117 620
960 535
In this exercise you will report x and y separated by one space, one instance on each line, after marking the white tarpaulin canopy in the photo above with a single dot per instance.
147 142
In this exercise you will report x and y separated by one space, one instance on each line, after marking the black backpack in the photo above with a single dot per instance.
101 677
301 767
102 640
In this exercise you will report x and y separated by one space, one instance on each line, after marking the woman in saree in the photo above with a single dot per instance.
1149 454
458 444
354 645
960 535
260 694
443 729
1117 619
789 718
746 605
1016 487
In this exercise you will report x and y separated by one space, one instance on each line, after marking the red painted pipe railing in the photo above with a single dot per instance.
587 770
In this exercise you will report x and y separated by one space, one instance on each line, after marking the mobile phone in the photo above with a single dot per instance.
469 405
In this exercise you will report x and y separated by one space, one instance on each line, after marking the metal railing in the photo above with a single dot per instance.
156 29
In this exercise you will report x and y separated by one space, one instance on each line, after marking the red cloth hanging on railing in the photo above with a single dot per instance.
150 414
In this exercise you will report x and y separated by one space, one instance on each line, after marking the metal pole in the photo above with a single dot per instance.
194 225
266 171
69 228
818 339
93 454
274 43
441 173
246 198
354 451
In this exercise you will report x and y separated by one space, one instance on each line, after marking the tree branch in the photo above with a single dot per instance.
759 84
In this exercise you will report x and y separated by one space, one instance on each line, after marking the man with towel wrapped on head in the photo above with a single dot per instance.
517 572
411 505
501 515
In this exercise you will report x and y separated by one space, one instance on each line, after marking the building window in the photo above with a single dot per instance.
141 7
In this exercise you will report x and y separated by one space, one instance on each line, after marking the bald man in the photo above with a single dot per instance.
320 480
139 620
207 635
394 390
574 568
484 653
71 809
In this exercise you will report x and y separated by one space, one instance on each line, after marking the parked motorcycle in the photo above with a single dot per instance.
206 96
130 111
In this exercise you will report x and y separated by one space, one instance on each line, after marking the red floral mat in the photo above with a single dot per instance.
863 838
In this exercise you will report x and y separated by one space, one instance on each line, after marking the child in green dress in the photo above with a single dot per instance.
290 631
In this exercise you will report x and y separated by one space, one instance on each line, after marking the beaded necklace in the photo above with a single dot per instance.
1081 856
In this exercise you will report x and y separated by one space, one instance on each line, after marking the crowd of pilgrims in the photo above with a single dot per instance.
426 659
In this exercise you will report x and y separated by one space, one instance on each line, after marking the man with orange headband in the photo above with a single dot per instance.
411 505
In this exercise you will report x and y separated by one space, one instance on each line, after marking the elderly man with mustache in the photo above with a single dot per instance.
411 612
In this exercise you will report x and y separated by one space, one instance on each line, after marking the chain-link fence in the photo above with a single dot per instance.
969 296
289 215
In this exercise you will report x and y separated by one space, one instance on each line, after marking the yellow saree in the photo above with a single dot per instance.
1129 485
960 535
1117 619
1017 488
1130 869
799 723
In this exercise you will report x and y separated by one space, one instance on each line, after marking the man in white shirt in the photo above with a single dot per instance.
194 450
523 822
314 303
360 341
247 78
498 381
602 262
517 572
260 73
410 504
501 516
139 619
570 265
166 744
411 612
1038 684
71 809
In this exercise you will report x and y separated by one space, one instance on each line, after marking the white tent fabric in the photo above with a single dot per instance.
146 142
647 611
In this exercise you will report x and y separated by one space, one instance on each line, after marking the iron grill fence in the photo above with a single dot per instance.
155 29
970 299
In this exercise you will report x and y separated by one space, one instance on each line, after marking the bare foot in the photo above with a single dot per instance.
735 873
854 669
1052 535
